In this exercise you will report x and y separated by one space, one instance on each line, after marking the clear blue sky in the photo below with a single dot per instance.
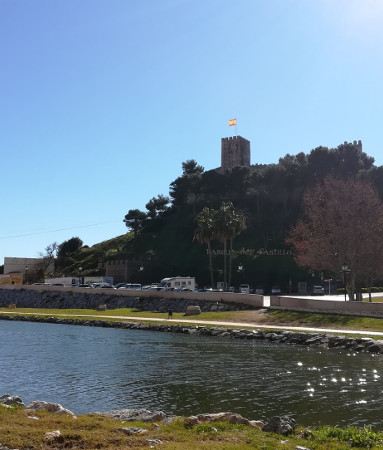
102 100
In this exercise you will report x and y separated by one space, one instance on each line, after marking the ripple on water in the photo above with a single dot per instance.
187 374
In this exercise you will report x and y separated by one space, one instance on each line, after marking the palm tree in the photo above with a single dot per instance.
230 223
205 233
237 225
223 232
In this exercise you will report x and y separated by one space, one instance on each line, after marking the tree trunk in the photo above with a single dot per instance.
370 281
224 264
351 288
210 265
230 261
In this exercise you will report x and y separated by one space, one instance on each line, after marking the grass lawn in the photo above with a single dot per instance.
94 432
132 312
263 317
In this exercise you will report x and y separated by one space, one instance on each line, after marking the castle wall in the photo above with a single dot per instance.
235 152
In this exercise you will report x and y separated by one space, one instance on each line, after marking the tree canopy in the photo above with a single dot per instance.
342 226
67 248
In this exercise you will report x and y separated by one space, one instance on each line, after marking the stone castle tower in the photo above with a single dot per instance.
235 152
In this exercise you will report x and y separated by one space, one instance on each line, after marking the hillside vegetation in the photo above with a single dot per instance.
160 242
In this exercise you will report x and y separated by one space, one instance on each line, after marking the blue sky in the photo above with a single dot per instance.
102 100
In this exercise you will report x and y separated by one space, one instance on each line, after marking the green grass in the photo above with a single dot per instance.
324 320
95 432
132 312
266 318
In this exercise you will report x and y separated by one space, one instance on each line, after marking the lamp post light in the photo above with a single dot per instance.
79 275
345 270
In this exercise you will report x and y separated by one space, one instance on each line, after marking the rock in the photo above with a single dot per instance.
237 419
133 430
280 425
216 417
299 447
257 424
135 415
53 437
11 400
50 407
224 334
375 347
191 421
33 417
153 442
314 340
192 310
306 434
4 447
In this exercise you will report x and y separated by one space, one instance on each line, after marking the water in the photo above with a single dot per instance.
89 369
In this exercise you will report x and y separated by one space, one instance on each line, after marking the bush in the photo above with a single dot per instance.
356 437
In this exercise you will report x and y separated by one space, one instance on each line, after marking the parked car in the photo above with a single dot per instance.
244 289
318 290
103 285
130 286
107 286
275 290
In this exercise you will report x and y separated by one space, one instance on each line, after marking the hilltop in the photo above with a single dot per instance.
160 242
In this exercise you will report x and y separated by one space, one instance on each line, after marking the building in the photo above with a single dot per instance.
25 265
122 269
12 278
235 152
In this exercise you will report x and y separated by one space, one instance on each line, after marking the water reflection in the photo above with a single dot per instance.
90 369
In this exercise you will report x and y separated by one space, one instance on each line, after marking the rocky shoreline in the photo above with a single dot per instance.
364 344
283 425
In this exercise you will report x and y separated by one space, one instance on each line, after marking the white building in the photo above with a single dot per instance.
179 283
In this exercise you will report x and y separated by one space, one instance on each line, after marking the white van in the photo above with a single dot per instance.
244 288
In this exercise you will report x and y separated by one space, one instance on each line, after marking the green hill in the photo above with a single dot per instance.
270 197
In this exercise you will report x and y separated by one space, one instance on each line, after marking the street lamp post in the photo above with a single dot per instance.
345 270
79 275
26 274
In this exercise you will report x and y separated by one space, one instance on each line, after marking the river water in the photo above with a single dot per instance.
89 369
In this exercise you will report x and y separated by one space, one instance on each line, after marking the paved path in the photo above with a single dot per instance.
209 322
337 297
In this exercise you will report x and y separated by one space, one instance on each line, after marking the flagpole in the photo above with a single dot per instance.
233 122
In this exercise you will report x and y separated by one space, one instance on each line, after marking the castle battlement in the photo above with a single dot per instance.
235 152
357 144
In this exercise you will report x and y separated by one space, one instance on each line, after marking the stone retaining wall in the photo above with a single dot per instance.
62 297
327 306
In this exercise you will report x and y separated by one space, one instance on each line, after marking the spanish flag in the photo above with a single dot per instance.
232 122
